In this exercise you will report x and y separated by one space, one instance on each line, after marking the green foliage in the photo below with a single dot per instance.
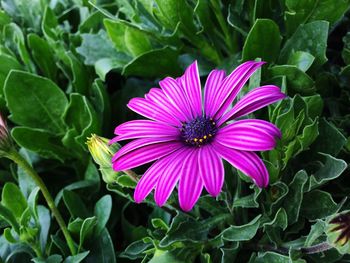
68 69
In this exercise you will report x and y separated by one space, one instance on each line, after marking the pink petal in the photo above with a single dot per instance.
191 184
170 176
152 111
263 125
248 162
158 97
211 88
254 100
145 128
245 137
143 155
192 87
176 96
233 83
149 180
211 170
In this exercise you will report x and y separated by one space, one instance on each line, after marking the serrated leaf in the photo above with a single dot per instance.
242 232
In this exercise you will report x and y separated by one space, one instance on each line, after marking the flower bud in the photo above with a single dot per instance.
6 143
338 232
102 154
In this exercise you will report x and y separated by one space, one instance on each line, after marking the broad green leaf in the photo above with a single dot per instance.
268 49
302 60
45 223
32 202
103 249
275 258
135 250
76 258
75 204
127 38
102 211
49 101
311 38
186 229
82 118
80 75
165 64
50 259
330 169
161 256
316 231
294 198
9 237
86 230
317 205
7 63
242 232
301 12
328 130
43 56
297 80
13 199
104 65
7 215
40 141
95 47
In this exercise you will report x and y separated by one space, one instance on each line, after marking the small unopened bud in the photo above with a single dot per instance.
338 232
102 154
6 144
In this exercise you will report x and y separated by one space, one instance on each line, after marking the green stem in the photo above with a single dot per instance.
20 161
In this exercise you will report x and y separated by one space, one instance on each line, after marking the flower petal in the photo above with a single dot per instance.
248 162
191 184
144 154
233 83
192 86
211 170
254 100
246 138
212 85
143 129
263 125
152 111
170 175
158 97
150 178
176 96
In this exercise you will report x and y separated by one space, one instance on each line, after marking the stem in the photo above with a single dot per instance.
132 175
20 161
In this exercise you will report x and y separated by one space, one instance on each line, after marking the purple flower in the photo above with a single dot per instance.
188 135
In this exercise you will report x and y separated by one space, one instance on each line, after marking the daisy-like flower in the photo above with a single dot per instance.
188 134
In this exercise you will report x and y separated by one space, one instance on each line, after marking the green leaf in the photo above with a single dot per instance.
86 230
7 215
13 199
146 66
302 60
242 232
9 237
127 38
104 65
317 205
268 49
95 47
186 229
275 258
316 231
102 212
50 259
311 38
76 258
42 142
44 222
301 12
7 63
135 250
328 130
330 169
82 119
103 249
50 102
43 56
32 202
74 204
161 256
297 80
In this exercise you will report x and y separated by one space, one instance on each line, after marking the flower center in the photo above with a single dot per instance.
198 131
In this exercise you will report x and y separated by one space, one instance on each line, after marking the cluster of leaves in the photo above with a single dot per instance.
68 67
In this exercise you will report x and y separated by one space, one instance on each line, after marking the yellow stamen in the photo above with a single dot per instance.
210 135
205 137
200 140
195 139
